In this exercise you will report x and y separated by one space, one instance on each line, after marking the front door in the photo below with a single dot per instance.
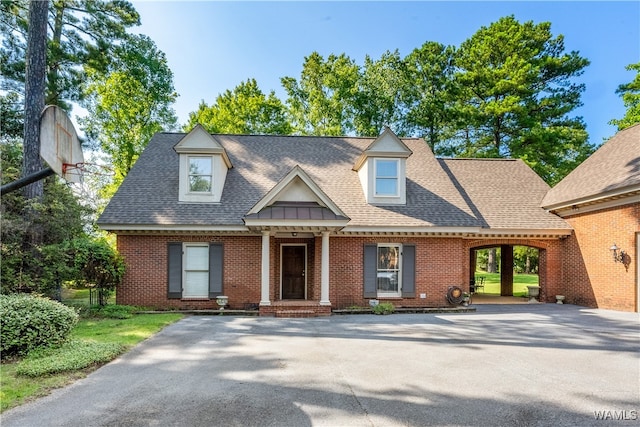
294 260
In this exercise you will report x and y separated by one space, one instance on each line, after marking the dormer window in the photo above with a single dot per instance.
387 177
200 174
203 167
382 169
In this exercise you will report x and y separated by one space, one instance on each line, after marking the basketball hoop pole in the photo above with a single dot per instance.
23 182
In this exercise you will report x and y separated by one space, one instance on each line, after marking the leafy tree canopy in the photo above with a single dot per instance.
82 34
516 97
321 102
381 85
630 93
245 110
128 103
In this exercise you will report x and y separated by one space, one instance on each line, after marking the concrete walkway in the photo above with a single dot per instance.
519 365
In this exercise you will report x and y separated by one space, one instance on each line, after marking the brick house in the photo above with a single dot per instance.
600 200
290 222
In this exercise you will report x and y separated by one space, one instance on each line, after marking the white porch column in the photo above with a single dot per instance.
324 270
264 288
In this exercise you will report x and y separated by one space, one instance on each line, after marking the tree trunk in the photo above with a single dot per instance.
491 263
35 78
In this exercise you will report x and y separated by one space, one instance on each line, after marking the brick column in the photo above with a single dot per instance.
506 270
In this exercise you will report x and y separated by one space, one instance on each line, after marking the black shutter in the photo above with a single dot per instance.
408 271
370 271
174 274
216 252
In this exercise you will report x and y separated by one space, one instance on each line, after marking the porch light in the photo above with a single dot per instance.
618 254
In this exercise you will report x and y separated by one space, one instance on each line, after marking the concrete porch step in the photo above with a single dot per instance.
295 313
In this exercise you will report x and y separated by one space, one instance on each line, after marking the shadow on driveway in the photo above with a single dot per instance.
543 364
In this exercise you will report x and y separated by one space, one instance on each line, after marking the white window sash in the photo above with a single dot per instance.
196 270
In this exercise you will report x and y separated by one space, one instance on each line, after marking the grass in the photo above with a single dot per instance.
93 342
520 283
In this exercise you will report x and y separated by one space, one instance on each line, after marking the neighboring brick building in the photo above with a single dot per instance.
310 224
600 199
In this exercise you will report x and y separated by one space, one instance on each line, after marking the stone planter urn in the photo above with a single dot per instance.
222 301
534 292
465 299
559 299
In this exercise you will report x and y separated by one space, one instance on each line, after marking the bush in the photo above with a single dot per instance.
71 356
113 311
30 322
384 308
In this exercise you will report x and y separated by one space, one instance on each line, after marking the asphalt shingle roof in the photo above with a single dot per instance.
503 193
614 166
440 193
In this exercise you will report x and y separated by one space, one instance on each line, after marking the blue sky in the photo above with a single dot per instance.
212 46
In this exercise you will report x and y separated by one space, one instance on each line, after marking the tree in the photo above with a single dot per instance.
630 93
245 110
516 98
60 217
525 259
82 34
33 105
129 103
428 92
380 87
321 102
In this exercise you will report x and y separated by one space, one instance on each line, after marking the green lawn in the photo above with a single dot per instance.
16 389
520 283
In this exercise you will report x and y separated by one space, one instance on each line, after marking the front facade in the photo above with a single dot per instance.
290 224
600 200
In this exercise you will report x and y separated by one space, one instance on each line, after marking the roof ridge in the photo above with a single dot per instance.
417 138
507 159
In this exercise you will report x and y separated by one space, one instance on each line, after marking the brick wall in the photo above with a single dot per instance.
590 277
145 281
440 263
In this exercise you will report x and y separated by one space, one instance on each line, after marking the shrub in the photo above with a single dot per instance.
30 322
384 308
113 311
71 356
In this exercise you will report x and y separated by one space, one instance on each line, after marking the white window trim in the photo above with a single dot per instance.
203 193
375 178
185 246
398 293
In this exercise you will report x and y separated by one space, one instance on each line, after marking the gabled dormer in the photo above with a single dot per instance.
296 200
203 167
382 169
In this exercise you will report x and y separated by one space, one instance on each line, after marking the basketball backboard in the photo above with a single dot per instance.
59 144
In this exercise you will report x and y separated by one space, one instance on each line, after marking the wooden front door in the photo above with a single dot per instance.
294 271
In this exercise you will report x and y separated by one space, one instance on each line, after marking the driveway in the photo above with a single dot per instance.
544 364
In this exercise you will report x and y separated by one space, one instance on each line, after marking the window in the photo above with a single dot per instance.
196 271
388 271
200 174
386 173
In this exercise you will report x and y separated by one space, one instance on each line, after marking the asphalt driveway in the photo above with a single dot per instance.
543 364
